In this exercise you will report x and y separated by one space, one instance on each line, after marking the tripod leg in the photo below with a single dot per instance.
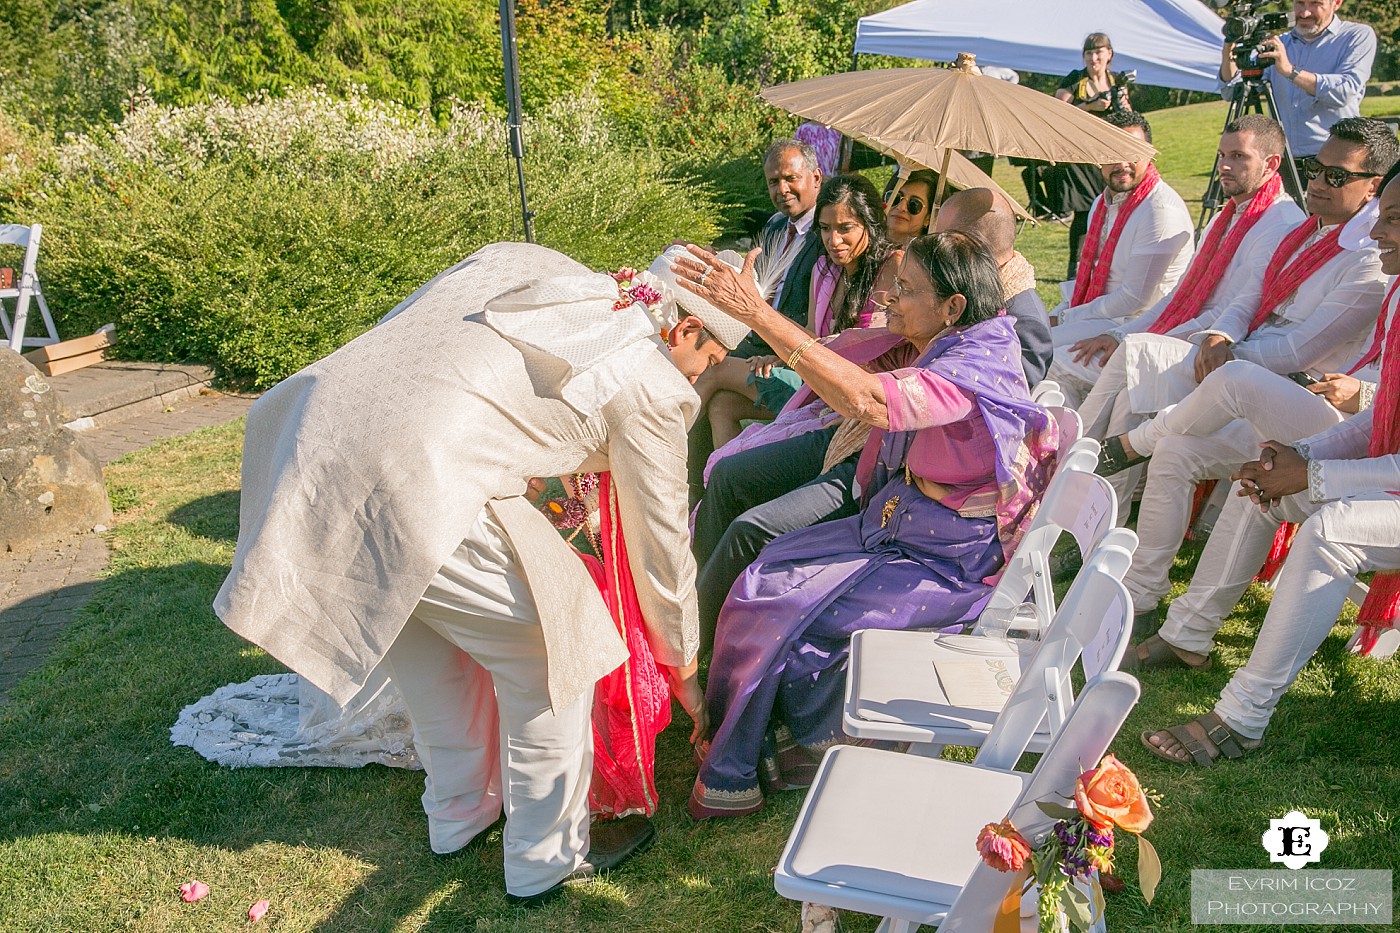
1291 182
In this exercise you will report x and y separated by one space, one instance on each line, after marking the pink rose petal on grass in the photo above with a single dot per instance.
192 891
255 913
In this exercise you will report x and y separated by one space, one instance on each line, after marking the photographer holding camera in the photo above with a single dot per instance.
1320 68
1099 91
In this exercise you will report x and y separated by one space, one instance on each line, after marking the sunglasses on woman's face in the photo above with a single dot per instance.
1335 176
912 205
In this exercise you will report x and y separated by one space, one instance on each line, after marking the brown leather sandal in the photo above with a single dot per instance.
1220 738
1154 653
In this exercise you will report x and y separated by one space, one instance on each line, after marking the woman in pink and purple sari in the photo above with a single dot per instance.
952 472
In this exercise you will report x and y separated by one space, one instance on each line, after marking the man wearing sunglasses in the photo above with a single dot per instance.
1315 319
1319 72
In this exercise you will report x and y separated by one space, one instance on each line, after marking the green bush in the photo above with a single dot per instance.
260 237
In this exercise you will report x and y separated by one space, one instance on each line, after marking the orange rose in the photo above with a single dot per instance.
1002 847
1110 794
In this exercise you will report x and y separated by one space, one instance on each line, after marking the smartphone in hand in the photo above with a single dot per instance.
1303 379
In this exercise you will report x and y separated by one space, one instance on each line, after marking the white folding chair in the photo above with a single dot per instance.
895 835
893 691
27 287
1047 392
1077 502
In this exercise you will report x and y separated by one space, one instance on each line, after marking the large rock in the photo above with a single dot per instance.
50 482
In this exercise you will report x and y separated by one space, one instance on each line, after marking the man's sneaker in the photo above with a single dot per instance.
611 843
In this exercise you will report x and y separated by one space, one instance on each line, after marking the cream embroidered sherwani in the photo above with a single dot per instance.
382 516
363 472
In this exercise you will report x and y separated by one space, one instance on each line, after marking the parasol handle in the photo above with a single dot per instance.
901 175
942 183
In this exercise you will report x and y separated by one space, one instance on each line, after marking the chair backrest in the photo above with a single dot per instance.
16 234
1104 652
27 237
1075 501
1070 424
1047 392
1090 729
1097 599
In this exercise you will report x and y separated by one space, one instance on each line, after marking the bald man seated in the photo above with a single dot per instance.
772 480
987 215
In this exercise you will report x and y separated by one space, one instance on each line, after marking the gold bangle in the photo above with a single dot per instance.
802 348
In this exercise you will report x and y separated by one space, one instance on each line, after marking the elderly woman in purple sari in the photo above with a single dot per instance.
952 473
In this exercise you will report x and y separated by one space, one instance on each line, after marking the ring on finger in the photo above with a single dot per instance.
703 276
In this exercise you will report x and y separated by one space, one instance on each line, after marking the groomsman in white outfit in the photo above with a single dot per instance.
1127 366
383 520
1340 484
1316 316
1138 244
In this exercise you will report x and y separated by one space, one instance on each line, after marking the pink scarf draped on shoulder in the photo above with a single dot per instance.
632 704
1097 254
1208 267
1286 271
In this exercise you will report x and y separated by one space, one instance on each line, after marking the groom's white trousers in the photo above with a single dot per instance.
1335 542
470 663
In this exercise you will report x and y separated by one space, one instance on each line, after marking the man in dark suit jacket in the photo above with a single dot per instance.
983 213
791 246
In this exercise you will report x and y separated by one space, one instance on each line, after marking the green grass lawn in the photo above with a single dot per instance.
103 819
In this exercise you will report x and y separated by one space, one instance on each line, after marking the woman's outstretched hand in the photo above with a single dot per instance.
685 687
733 291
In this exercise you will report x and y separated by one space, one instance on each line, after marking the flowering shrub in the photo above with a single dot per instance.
259 236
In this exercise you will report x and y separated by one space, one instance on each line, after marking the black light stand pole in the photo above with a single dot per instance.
517 141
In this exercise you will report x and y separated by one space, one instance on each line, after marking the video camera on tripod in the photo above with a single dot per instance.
1249 29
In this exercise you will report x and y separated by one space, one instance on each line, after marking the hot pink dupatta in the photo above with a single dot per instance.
632 704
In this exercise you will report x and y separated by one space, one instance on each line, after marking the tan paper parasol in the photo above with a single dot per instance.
923 114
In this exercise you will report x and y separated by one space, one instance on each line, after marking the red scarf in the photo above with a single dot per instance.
1282 277
1378 341
1093 260
1208 268
1382 603
632 704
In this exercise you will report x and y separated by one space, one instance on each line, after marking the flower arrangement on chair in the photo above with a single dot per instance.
1080 843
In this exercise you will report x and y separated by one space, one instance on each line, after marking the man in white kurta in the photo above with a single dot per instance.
1325 327
1350 524
1151 254
1341 487
1251 149
383 520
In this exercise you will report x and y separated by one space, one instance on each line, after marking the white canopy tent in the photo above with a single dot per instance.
1172 43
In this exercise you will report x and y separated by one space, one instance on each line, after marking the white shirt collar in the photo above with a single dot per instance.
804 223
1356 233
